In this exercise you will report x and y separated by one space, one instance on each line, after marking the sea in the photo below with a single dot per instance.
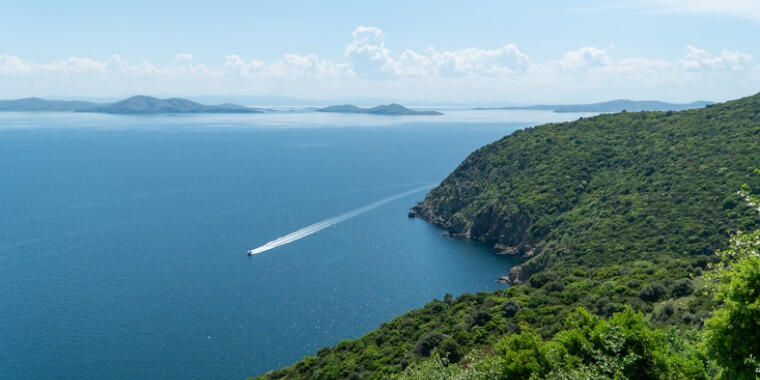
123 239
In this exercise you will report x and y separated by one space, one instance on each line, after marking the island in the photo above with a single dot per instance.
139 104
387 109
617 105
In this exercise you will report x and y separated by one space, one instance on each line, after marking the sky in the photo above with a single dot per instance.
514 52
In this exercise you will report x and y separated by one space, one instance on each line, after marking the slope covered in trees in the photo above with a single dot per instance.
607 189
619 218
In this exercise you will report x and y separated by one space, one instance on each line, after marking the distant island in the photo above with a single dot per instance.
617 105
139 104
388 109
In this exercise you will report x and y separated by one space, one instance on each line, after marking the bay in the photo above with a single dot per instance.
123 238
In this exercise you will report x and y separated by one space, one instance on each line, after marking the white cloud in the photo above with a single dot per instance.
73 65
369 67
370 58
290 66
368 55
241 67
697 59
10 65
117 65
583 59
505 60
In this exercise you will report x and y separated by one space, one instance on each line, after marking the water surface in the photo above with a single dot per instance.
123 238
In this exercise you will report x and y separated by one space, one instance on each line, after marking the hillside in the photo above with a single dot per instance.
146 104
617 105
611 212
37 104
388 109
134 105
603 187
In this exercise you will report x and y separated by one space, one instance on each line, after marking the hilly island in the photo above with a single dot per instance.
387 109
138 104
637 264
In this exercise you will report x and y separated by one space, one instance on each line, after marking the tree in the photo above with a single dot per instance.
427 342
732 332
510 308
450 350
681 288
652 292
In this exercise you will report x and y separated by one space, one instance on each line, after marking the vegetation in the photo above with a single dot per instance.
588 348
619 217
733 331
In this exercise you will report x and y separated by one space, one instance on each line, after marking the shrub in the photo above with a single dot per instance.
450 350
510 309
428 342
681 288
652 292
480 318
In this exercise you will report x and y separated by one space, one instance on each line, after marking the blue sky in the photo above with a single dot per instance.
549 51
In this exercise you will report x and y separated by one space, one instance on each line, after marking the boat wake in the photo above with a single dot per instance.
322 224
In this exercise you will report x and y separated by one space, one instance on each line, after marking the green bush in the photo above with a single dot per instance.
428 342
681 288
652 292
733 331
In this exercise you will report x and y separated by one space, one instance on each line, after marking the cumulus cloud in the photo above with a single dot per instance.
368 55
583 59
368 61
697 59
370 58
505 60
10 65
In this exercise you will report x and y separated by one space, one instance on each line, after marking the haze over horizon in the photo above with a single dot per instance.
510 53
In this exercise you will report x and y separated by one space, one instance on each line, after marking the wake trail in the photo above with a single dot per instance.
322 224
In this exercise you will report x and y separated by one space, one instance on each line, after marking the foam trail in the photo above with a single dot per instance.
322 224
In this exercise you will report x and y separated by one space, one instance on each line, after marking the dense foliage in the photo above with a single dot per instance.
587 348
621 215
733 331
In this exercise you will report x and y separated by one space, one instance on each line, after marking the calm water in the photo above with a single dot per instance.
123 239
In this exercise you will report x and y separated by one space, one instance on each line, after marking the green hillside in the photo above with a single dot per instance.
615 214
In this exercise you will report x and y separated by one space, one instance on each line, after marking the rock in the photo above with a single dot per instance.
411 214
513 278
502 249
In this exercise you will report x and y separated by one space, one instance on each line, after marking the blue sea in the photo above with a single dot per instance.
123 239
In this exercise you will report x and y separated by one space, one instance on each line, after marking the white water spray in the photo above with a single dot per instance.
322 224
